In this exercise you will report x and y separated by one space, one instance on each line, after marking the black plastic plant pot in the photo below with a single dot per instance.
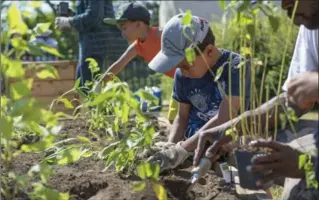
247 179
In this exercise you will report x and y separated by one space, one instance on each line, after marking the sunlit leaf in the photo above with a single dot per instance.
160 191
302 160
187 19
148 169
107 150
44 193
15 69
245 51
139 186
16 24
19 43
66 102
6 125
39 146
50 50
125 113
145 95
84 139
42 28
21 89
155 170
69 156
48 72
141 171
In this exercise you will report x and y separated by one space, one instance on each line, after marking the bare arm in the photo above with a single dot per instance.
260 115
222 116
119 65
180 123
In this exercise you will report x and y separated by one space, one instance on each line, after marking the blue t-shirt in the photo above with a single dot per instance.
203 93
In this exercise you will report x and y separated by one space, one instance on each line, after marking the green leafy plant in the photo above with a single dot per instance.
22 113
149 173
305 163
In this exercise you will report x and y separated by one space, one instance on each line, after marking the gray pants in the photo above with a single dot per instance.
304 142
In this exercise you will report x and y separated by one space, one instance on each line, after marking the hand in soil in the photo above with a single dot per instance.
170 158
281 161
304 89
220 145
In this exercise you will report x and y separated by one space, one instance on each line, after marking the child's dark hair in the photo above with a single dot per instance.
209 39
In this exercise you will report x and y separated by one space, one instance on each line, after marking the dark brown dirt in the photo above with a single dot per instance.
85 181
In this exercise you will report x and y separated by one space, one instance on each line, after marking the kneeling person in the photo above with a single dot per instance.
203 102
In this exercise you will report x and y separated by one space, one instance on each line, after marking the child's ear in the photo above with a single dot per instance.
209 51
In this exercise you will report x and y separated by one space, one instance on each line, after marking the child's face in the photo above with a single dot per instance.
199 67
130 30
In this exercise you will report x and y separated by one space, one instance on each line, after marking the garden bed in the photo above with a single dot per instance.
84 179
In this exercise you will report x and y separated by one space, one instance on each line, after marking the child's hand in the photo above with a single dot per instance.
304 89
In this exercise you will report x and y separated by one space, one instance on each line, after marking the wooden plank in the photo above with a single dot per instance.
66 70
52 87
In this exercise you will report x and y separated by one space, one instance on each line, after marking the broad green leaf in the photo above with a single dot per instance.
69 156
77 83
139 186
84 139
6 125
156 171
107 150
141 171
93 65
222 4
274 22
44 193
39 146
218 73
190 55
66 102
15 69
131 155
125 113
21 89
34 49
50 50
20 44
302 160
160 191
148 169
15 20
42 28
144 95
187 19
48 72
4 101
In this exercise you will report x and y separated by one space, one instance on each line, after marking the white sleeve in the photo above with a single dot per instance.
306 54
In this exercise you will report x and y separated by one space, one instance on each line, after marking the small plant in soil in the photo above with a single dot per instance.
149 173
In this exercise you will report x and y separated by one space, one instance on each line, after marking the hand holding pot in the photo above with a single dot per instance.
281 161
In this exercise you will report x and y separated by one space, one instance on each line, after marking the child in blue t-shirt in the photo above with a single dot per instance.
203 102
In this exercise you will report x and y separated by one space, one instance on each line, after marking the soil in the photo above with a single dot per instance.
85 181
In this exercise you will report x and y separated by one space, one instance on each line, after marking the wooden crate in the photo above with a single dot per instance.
47 90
